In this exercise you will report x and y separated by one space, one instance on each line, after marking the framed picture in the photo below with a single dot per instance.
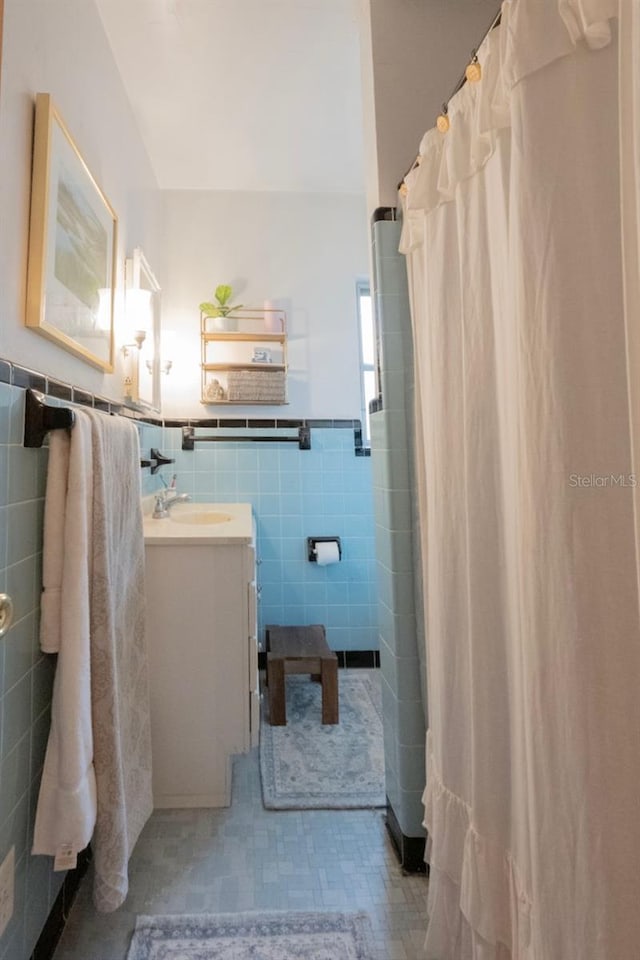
71 270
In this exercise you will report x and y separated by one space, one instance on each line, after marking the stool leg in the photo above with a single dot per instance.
275 683
330 690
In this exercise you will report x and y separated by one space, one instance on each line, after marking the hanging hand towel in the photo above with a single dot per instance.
66 810
93 616
119 672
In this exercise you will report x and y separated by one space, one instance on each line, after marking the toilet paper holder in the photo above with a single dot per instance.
311 546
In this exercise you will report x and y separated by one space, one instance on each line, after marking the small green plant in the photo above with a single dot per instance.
222 307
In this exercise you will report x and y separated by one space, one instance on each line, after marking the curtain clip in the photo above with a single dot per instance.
443 123
473 73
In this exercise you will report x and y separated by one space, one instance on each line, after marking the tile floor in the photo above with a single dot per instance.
249 858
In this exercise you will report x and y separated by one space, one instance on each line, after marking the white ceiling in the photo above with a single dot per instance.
244 94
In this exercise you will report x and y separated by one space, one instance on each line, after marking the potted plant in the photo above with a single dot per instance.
221 308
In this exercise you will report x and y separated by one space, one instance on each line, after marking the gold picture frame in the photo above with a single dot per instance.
71 273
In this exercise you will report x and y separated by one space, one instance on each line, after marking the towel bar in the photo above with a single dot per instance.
39 419
303 438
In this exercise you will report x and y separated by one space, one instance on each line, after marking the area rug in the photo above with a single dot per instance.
253 936
308 765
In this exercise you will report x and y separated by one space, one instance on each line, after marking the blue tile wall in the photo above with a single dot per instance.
297 494
26 675
398 562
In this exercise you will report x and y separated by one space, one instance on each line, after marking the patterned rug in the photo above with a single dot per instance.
253 936
308 765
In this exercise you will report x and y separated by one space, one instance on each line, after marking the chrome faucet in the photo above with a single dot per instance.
166 499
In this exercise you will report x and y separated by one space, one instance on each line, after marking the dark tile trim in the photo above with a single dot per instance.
410 850
320 424
347 659
128 413
63 391
81 396
19 376
360 449
210 422
28 378
333 424
384 213
364 659
55 923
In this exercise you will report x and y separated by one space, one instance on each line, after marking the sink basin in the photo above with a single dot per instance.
200 516
200 523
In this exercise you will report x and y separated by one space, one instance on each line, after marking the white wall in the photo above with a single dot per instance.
61 48
304 251
412 55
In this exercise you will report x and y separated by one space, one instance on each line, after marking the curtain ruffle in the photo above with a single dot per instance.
482 885
530 36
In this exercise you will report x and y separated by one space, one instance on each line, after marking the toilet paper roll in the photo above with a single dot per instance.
327 553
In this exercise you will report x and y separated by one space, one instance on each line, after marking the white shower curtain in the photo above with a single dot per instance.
528 375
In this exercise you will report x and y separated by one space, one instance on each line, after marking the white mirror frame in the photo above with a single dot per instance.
142 367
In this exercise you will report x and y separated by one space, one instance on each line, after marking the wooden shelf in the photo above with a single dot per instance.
244 403
229 353
246 337
249 365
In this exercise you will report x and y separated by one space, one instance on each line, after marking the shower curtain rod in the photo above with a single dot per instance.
459 85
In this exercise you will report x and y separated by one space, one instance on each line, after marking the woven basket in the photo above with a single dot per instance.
257 386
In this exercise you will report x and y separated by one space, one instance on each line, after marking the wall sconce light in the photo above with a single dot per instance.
164 367
138 321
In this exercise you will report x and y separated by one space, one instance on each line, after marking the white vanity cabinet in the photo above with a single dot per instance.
201 637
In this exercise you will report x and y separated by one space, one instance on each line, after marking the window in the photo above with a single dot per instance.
367 353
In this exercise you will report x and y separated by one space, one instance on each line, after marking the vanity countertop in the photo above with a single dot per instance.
189 523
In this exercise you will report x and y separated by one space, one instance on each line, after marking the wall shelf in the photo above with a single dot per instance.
250 359
251 365
229 337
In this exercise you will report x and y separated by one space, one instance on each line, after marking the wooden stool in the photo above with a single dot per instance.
300 650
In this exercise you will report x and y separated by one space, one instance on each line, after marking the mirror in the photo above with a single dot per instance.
142 349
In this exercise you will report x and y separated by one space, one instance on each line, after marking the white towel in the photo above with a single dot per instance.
119 669
93 616
66 812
